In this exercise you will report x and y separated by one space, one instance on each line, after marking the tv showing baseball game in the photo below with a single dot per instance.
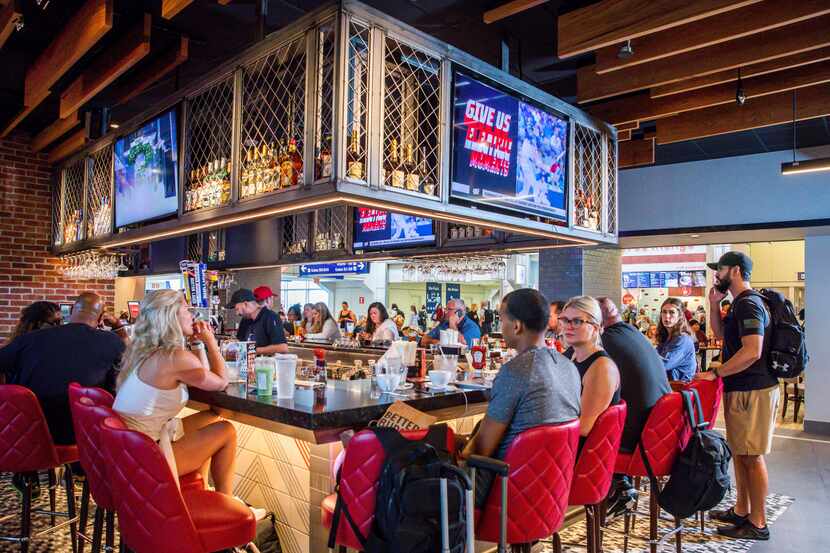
376 229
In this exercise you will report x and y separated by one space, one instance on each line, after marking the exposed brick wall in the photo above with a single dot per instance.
28 271
568 272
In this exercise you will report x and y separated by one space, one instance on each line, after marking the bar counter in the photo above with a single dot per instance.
286 448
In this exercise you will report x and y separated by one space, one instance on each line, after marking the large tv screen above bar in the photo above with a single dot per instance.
376 229
146 172
507 152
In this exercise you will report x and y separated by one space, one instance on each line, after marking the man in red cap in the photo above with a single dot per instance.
265 296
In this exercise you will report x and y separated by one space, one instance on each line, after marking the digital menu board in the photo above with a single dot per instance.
507 152
664 279
146 172
376 229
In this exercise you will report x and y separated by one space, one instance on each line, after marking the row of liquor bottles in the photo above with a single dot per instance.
210 186
99 224
402 170
267 168
587 210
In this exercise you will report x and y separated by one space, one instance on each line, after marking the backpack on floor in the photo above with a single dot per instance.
700 476
787 355
408 504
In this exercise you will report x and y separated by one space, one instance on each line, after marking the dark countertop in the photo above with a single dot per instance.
348 404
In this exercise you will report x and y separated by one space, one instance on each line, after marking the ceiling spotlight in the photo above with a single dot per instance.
740 95
114 125
626 51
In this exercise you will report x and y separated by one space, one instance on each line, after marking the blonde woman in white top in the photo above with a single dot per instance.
152 388
324 327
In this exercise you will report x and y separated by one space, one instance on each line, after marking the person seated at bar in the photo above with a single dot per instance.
259 324
554 331
293 315
324 326
455 318
48 360
346 315
642 382
307 321
700 337
674 342
538 386
379 327
152 388
581 321
40 314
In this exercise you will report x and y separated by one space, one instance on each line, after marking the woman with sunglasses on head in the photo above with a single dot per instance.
581 321
674 342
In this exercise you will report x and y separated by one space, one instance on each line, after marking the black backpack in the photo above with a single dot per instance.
408 504
787 356
700 476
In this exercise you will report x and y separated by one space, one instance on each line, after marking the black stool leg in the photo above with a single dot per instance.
786 399
70 505
84 517
590 528
97 530
557 544
678 537
26 515
110 532
52 493
654 514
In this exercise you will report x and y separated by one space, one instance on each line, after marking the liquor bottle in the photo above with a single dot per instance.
354 165
593 214
581 211
248 174
272 170
262 169
226 182
426 180
324 160
393 165
286 166
296 163
413 178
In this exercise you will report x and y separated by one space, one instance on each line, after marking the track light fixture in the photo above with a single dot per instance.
795 167
626 50
740 95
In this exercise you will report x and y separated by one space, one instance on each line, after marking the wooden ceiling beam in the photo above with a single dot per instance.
151 72
510 8
55 131
643 108
622 136
793 39
75 142
171 8
634 153
796 60
107 67
747 21
10 14
775 109
628 125
21 115
81 32
614 21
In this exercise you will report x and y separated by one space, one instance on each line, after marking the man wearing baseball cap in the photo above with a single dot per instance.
264 296
258 323
751 392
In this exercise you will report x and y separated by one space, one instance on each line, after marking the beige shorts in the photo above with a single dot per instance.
750 420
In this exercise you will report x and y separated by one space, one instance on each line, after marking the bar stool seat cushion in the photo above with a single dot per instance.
221 521
192 481
595 464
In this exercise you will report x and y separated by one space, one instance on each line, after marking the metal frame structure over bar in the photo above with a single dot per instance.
352 68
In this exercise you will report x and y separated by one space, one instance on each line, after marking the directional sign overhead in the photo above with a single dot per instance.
328 269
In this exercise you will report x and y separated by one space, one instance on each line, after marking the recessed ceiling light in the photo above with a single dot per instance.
114 125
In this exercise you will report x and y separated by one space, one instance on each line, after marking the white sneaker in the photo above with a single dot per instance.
259 514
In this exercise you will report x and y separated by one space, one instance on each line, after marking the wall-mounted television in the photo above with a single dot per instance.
507 152
146 172
376 229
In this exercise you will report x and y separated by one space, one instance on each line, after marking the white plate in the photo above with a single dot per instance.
405 386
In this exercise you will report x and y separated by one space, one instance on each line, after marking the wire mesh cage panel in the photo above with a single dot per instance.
588 169
295 232
208 153
412 100
72 211
99 203
215 245
611 208
357 98
195 246
57 204
273 119
324 119
330 226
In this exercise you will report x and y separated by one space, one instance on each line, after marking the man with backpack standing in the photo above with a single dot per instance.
751 392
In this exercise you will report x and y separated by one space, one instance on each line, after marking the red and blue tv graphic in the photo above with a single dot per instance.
376 229
506 152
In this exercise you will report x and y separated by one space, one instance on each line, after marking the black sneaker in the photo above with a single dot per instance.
745 531
729 516
622 501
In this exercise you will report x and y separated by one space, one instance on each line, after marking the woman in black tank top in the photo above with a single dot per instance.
581 320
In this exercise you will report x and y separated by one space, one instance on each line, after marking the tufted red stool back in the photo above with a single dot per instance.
710 392
595 466
87 418
541 463
25 442
663 436
99 396
359 475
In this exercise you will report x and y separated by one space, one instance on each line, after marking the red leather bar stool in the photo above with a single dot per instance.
595 468
664 435
154 516
26 446
87 417
99 396
710 393
529 498
359 475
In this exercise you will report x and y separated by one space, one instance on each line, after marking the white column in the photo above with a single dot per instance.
817 302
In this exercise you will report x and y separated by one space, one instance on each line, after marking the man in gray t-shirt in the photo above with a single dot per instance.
539 386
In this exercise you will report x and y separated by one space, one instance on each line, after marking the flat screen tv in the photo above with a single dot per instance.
506 152
146 172
376 229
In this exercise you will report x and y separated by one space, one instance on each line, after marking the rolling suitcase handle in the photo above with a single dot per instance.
501 469
445 522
